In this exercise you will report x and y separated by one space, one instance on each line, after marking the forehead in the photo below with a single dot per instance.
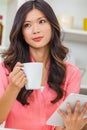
34 14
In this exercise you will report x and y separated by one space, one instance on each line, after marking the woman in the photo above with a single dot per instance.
35 37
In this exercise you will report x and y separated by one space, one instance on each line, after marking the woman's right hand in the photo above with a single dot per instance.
17 76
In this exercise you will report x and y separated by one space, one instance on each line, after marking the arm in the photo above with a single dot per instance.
17 81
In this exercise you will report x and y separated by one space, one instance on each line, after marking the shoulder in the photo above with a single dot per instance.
3 78
72 78
4 73
72 69
2 67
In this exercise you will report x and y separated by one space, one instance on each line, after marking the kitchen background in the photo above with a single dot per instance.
71 14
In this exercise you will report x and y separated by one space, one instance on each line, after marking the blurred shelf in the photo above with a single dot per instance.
76 31
83 86
74 35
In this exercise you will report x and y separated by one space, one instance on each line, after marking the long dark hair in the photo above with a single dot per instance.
19 49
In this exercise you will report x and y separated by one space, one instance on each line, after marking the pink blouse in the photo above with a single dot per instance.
35 115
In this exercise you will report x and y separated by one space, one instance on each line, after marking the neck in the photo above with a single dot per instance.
40 55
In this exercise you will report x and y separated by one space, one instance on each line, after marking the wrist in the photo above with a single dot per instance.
14 89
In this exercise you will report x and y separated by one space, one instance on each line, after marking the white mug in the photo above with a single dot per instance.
33 71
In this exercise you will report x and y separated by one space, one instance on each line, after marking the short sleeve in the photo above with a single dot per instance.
3 79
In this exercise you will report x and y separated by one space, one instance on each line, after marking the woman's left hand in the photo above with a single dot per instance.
74 120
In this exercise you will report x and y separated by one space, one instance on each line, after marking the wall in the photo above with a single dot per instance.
76 8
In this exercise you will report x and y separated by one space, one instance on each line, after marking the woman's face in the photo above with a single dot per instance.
36 29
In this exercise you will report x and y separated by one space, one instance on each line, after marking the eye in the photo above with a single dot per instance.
27 25
42 21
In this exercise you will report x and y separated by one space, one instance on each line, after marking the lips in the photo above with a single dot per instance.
37 39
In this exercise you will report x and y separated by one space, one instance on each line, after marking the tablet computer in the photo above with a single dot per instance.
56 119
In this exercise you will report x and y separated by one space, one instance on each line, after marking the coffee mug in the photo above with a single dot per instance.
33 71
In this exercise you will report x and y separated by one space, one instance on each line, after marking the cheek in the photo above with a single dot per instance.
48 33
26 35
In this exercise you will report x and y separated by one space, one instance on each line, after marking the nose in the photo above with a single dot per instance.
36 28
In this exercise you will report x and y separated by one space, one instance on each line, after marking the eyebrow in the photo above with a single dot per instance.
36 19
